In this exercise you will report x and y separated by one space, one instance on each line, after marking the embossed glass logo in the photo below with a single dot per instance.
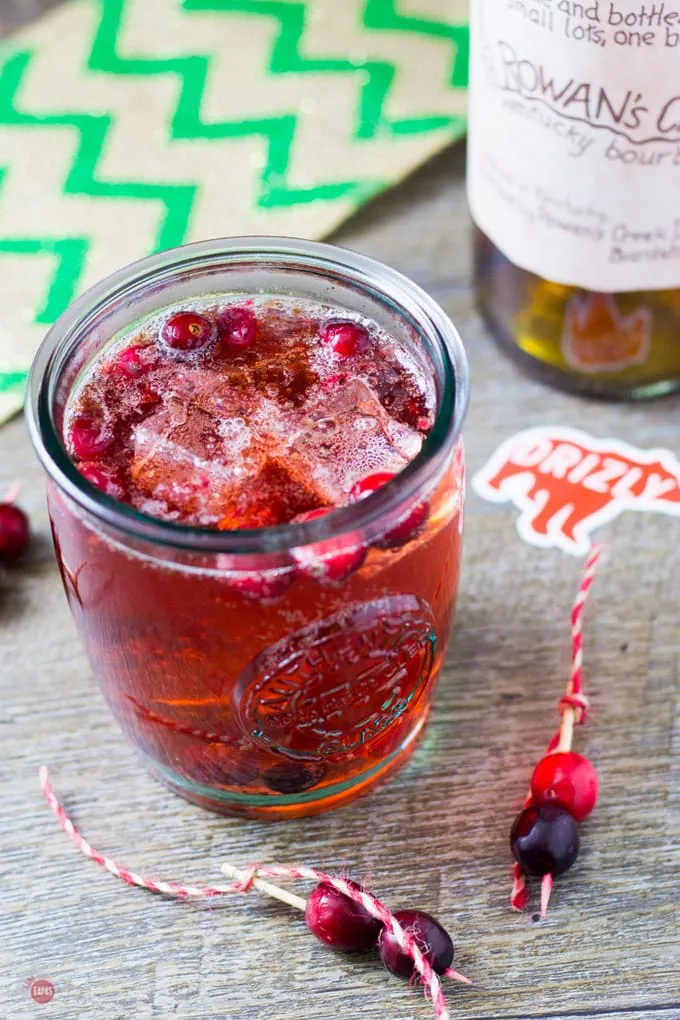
335 685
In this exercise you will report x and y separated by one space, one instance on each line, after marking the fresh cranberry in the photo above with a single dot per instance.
89 437
134 362
567 779
14 532
260 586
187 331
238 328
367 486
104 478
408 527
294 777
545 840
331 560
339 921
433 941
345 338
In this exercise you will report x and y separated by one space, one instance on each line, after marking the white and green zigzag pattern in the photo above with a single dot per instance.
128 126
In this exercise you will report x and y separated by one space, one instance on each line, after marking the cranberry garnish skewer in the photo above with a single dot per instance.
344 915
545 836
416 934
434 941
340 922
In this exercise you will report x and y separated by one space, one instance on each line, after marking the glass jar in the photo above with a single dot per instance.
248 687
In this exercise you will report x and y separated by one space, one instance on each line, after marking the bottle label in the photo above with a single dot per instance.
574 149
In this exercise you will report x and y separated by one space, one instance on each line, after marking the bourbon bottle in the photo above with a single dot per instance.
574 187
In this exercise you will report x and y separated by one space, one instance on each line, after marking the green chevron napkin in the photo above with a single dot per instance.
128 126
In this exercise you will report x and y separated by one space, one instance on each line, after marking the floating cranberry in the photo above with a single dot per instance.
134 362
89 437
238 328
104 478
187 331
433 941
14 532
332 560
294 777
367 486
408 527
544 840
568 780
262 586
339 921
345 338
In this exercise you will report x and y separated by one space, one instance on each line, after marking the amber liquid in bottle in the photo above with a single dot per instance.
574 176
609 345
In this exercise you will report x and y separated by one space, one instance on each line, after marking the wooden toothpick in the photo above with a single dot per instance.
265 887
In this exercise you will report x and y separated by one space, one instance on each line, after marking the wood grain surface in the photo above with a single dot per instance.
437 836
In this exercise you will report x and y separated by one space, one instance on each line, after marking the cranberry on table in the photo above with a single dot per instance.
339 921
14 532
237 328
331 560
187 331
568 780
104 478
89 437
545 840
411 524
432 939
345 338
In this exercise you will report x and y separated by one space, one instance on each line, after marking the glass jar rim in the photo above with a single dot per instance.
373 276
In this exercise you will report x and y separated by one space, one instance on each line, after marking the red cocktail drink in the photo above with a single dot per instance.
256 496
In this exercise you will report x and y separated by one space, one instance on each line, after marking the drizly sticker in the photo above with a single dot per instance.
566 484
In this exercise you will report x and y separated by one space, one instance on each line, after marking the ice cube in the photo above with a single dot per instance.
212 454
346 436
273 496
194 461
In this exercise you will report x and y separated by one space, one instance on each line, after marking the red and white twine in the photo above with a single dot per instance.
574 711
371 903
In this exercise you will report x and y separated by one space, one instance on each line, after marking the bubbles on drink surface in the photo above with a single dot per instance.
241 412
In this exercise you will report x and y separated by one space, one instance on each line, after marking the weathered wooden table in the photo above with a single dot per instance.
436 837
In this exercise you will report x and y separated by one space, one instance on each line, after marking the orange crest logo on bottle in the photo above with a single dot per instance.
596 337
566 484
